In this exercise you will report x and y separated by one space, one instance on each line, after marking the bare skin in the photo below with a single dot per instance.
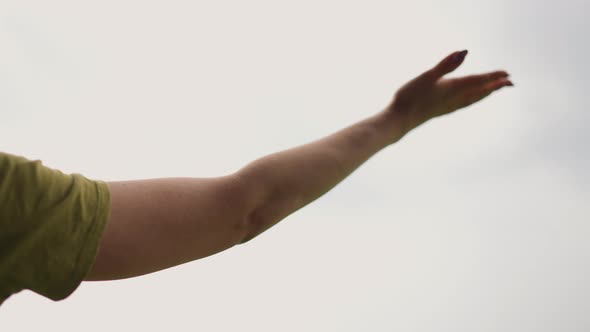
159 223
429 95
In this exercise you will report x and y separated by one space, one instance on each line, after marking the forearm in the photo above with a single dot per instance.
284 182
158 223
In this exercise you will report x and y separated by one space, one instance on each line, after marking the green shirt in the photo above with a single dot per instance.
50 227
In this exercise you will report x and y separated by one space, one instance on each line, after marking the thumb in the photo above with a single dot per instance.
447 65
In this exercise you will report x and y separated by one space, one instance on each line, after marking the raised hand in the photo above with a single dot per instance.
430 95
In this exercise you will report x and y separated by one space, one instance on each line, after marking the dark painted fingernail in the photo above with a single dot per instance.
460 56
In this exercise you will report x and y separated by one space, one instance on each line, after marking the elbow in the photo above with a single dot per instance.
251 197
252 227
247 238
265 207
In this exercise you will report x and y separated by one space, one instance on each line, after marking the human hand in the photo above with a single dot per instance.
429 95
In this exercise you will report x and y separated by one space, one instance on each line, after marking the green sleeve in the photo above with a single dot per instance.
50 227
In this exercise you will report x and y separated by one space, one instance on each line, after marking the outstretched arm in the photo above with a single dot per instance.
288 180
159 223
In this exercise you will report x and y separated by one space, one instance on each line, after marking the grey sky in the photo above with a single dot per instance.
476 221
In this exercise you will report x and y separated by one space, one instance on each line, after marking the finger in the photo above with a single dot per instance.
479 94
497 84
481 79
447 65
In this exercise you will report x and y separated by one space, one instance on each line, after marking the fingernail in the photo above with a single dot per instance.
460 56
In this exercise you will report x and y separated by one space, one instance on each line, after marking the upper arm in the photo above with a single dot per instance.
50 226
158 223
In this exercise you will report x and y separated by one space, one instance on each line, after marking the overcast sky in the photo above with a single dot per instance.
475 221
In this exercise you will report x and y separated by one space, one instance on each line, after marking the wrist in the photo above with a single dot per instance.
393 124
